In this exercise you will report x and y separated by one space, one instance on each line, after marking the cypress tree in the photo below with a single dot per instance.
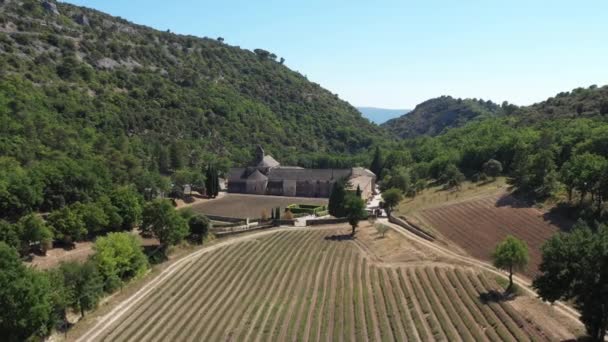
377 164
358 191
336 200
212 183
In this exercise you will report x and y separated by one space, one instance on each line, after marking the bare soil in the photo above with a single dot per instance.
478 225
249 206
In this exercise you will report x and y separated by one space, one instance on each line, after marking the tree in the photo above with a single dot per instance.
177 155
277 213
119 257
584 172
451 176
162 220
10 234
128 203
34 231
377 163
83 285
94 217
573 268
354 209
398 177
67 225
511 255
198 224
24 298
358 192
492 168
337 200
212 183
381 229
391 198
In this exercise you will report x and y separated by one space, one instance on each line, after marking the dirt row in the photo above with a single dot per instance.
479 225
310 286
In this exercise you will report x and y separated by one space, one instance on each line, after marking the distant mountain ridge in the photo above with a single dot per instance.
381 115
434 116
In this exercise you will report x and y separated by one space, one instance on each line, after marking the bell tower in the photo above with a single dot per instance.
259 154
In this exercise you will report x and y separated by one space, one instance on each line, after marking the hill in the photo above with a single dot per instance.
88 101
432 117
591 102
381 115
83 70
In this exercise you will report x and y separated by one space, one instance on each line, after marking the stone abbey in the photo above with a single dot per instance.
268 177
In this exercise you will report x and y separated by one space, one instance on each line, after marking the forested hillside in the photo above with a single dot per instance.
432 117
437 115
89 101
556 149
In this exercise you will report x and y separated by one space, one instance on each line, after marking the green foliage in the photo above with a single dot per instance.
198 224
82 285
377 163
511 255
391 198
93 216
10 234
129 206
574 269
67 225
24 298
432 117
398 178
34 231
212 183
354 210
114 109
585 173
451 176
492 168
119 257
163 221
337 198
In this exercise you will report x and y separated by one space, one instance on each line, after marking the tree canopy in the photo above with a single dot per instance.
163 222
511 255
574 267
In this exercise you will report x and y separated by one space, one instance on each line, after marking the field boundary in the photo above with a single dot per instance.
116 313
410 227
525 285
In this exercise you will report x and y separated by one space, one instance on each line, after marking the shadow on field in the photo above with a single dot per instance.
557 216
493 296
512 202
339 237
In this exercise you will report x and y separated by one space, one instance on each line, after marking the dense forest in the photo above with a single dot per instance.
434 116
554 150
90 102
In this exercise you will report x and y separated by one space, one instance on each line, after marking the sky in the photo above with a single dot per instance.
396 54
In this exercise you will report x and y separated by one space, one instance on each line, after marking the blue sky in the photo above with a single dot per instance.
396 54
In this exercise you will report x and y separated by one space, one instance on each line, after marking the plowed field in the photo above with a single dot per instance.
479 225
307 285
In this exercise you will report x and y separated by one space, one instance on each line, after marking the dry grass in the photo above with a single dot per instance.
437 196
